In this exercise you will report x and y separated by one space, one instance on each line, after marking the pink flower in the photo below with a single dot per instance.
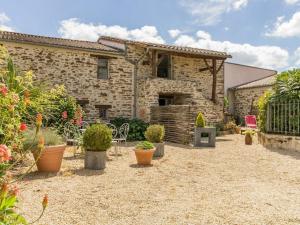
64 115
4 154
23 127
3 90
45 202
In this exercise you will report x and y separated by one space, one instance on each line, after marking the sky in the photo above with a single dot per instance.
262 33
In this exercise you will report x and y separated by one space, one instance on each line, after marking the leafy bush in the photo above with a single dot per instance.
230 125
50 138
137 128
97 137
262 110
145 145
200 122
155 133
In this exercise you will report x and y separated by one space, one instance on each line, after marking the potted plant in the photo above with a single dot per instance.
237 129
144 152
96 140
249 137
200 129
156 134
47 148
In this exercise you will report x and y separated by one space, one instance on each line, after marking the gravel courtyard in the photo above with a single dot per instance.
229 184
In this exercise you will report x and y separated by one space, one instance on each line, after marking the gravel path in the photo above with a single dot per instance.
231 184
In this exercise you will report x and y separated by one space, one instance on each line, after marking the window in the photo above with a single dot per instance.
102 71
103 111
165 100
163 66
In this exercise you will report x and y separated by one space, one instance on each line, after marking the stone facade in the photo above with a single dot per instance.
77 70
245 100
187 83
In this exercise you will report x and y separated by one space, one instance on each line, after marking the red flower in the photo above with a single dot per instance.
64 115
4 154
45 201
3 90
15 191
23 127
4 188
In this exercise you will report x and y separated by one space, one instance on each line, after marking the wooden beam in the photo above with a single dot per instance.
204 69
154 63
218 70
214 84
208 66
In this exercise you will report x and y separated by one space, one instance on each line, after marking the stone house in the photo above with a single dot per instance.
114 77
244 97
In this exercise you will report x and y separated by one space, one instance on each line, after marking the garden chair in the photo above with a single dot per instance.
114 137
72 135
250 121
123 133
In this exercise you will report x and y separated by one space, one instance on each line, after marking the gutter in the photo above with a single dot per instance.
135 63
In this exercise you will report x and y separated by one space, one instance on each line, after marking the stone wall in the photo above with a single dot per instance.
77 70
245 100
186 80
283 142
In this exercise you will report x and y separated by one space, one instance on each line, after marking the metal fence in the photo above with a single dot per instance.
283 117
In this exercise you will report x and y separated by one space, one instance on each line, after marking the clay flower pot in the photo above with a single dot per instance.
248 139
144 157
237 130
50 158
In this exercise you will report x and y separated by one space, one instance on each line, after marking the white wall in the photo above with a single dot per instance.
236 74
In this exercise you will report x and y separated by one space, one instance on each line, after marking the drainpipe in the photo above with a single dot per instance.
135 63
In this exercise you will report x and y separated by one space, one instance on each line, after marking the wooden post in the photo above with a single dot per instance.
154 63
214 84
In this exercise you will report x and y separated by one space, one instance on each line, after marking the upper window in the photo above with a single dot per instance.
163 66
102 72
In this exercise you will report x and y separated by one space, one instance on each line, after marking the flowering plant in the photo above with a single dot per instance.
14 105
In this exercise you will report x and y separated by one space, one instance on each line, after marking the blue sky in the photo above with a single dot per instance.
263 33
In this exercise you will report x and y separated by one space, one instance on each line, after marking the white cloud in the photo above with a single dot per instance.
209 12
3 20
297 57
266 56
74 29
203 35
174 33
286 28
291 2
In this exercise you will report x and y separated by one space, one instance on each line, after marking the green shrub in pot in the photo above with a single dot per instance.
144 153
96 140
155 134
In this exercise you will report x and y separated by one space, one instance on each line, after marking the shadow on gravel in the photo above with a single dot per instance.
293 154
140 166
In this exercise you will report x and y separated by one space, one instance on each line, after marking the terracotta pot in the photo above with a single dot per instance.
144 157
50 158
237 130
248 139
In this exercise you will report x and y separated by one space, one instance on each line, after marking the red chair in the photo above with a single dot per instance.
250 121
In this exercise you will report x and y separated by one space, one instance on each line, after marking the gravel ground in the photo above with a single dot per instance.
229 184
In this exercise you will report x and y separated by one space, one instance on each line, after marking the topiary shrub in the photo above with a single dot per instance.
200 122
155 133
145 145
97 137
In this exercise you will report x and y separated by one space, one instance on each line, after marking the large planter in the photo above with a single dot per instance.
50 158
95 160
248 139
199 141
144 157
159 150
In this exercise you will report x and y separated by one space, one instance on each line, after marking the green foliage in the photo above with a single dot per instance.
97 137
144 145
249 132
200 122
226 102
155 133
262 110
230 125
137 128
287 86
51 138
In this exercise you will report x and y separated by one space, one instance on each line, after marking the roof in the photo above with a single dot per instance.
250 66
264 82
173 48
56 42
